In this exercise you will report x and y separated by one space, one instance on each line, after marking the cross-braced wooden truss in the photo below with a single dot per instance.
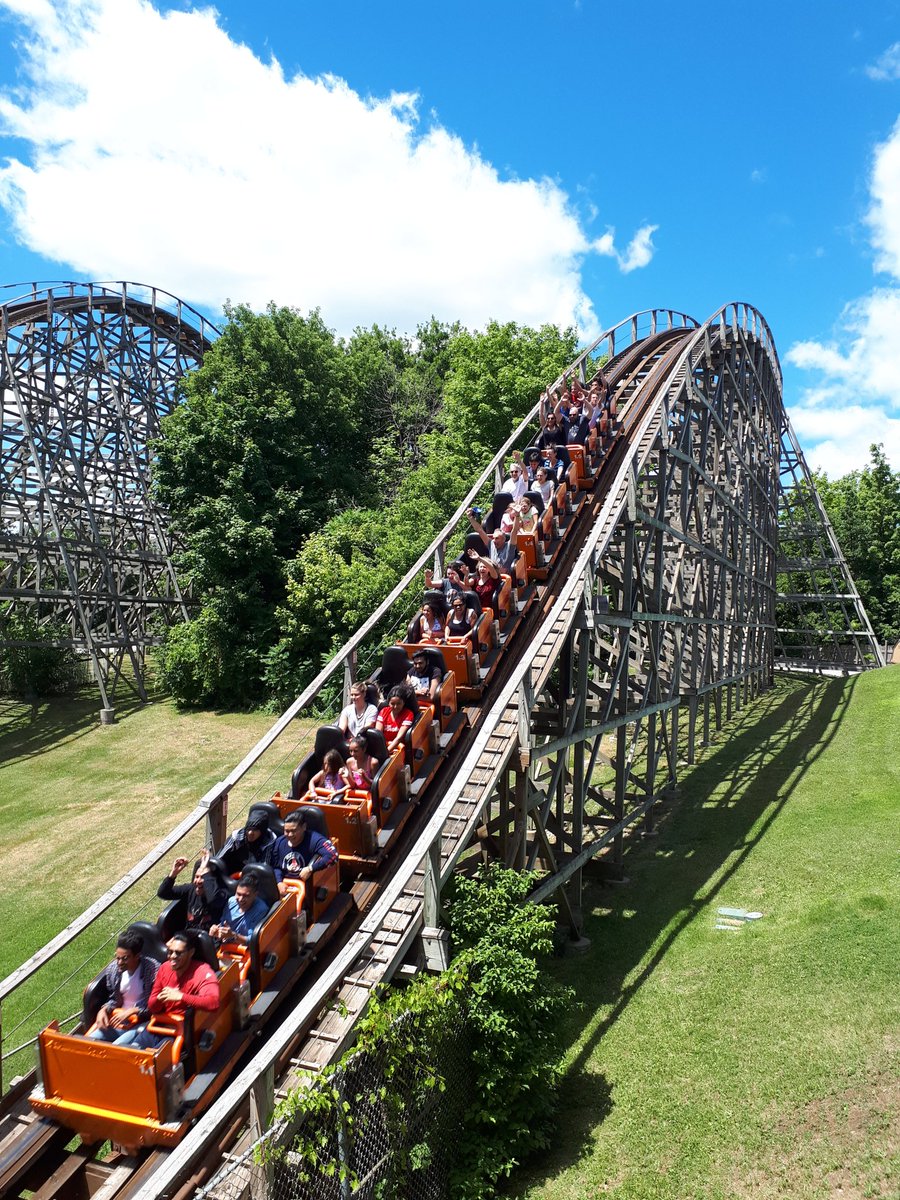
671 626
821 622
87 372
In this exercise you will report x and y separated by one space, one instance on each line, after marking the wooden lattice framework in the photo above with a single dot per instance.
87 372
822 624
675 627
658 624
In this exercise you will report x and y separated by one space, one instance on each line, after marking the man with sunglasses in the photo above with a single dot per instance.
181 983
516 483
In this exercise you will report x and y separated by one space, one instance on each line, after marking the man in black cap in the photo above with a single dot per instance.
252 844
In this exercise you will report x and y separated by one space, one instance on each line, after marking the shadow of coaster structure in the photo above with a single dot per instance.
88 370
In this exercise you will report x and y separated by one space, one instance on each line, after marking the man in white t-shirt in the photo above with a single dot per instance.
516 483
129 978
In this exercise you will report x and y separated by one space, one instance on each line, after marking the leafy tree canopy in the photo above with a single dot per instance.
864 509
303 473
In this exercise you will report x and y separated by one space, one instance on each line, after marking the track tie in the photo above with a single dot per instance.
358 981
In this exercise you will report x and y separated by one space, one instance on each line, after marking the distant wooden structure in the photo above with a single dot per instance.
87 372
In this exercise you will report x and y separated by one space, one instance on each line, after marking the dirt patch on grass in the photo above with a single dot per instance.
840 1147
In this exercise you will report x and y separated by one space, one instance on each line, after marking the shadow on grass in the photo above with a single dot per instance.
727 804
30 729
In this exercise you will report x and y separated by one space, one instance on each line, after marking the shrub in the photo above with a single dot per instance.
41 669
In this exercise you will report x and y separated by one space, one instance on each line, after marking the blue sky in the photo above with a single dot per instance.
530 161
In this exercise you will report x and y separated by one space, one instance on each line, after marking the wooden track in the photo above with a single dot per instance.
395 908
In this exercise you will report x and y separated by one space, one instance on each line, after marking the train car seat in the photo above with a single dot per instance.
328 737
536 499
394 667
499 505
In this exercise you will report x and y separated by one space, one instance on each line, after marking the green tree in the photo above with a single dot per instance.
303 473
864 509
263 449
38 668
516 1012
345 569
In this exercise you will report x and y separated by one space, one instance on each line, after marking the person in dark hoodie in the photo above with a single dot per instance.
252 844
206 897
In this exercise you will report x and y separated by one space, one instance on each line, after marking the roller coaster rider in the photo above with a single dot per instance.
300 852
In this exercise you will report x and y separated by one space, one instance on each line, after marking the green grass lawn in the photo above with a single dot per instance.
80 804
702 1063
761 1062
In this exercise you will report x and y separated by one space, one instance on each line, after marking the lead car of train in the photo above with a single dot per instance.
136 1097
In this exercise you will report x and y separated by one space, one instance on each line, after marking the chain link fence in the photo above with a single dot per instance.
381 1127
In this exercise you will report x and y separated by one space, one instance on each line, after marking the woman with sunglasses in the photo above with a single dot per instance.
461 620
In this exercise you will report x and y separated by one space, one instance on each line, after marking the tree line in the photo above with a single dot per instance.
303 472
864 509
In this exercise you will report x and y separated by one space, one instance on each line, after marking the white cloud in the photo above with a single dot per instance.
887 65
158 149
858 400
638 252
758 175
836 438
884 215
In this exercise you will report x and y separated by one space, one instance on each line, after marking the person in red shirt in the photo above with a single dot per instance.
181 983
394 720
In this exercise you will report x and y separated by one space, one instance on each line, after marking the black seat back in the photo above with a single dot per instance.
435 660
222 875
205 949
266 884
536 499
154 946
376 745
394 667
173 918
94 996
474 541
473 600
314 819
328 737
501 502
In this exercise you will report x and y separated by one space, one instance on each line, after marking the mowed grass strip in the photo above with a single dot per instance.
80 804
765 1061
